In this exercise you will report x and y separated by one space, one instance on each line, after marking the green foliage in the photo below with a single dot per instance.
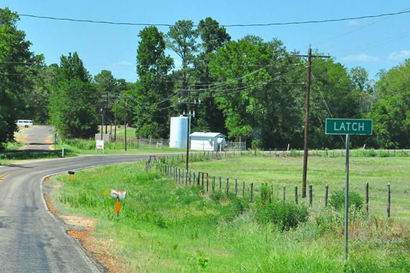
284 215
73 100
261 105
154 87
337 200
209 117
216 196
390 110
334 91
17 63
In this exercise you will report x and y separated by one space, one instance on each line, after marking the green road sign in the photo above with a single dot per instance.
344 126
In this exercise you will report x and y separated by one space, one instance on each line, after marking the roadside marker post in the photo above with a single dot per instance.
340 126
118 195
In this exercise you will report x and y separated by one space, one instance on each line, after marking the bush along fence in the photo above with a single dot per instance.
250 190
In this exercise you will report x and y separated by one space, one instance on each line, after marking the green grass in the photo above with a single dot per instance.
287 171
83 146
167 228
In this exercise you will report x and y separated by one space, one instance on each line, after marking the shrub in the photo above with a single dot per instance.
216 196
284 215
337 200
238 205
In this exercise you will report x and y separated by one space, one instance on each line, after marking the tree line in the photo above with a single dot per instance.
248 89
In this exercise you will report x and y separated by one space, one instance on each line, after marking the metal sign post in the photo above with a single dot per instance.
338 126
347 199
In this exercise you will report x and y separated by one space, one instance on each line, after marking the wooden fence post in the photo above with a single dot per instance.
326 194
283 193
388 200
207 183
236 187
220 184
367 197
227 185
251 192
243 188
296 194
310 195
213 184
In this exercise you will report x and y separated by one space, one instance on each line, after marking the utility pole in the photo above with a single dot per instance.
126 120
307 111
188 114
187 137
102 122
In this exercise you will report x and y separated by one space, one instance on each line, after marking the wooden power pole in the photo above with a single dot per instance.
307 111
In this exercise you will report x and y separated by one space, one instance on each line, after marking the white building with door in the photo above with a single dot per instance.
207 141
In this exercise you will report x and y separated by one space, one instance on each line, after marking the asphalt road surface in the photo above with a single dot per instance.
38 137
31 238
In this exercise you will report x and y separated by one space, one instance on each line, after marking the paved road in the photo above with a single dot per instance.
38 137
31 239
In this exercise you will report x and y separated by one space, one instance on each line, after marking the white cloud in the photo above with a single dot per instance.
123 63
360 58
402 54
353 23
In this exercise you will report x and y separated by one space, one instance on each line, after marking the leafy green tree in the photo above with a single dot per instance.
209 117
17 62
391 109
257 97
333 94
153 91
73 100
37 97
361 82
181 38
107 89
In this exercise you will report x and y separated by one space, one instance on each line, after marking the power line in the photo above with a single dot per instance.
67 19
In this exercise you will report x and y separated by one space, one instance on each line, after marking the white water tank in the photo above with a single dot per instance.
178 132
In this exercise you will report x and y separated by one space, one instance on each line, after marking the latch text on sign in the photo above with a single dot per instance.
338 126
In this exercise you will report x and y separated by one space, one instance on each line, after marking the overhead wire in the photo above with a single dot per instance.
319 21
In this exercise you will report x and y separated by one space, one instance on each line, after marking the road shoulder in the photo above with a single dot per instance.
82 230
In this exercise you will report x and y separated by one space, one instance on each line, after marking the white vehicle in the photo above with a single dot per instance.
24 122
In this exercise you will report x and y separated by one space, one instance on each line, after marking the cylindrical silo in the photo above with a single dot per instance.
178 132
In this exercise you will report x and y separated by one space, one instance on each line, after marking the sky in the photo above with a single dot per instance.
375 44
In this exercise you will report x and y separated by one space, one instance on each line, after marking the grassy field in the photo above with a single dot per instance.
287 171
82 146
167 228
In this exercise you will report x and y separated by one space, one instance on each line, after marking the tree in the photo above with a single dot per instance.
17 62
37 97
257 97
73 100
106 86
209 117
333 94
153 91
391 109
181 39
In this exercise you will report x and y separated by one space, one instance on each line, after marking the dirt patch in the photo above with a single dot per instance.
50 205
79 221
97 248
